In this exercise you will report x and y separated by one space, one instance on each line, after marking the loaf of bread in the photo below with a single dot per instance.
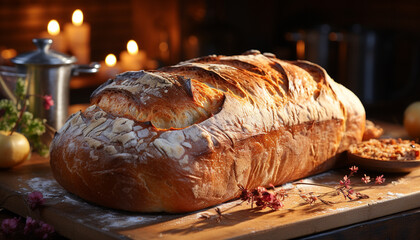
183 137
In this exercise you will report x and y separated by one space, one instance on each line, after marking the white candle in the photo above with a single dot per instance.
53 32
109 68
133 59
78 37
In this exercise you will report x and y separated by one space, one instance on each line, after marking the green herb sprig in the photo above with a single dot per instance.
14 117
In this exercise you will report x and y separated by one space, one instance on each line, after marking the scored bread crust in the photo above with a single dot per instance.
183 137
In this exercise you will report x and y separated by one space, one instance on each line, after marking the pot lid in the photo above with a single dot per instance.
43 55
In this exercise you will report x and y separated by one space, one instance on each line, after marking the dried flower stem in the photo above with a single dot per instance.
274 198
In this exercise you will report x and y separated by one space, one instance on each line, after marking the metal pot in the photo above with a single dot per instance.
48 73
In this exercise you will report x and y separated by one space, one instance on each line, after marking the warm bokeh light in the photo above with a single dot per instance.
163 46
8 53
300 49
192 40
77 17
333 36
132 47
53 27
110 60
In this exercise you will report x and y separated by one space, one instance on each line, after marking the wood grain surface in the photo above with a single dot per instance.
74 218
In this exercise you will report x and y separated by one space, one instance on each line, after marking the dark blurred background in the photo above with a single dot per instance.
370 46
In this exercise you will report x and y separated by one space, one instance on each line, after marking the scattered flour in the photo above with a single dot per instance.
321 175
399 181
341 209
320 178
287 186
48 187
329 210
395 194
106 219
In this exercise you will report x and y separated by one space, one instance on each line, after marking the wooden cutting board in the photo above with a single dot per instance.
74 218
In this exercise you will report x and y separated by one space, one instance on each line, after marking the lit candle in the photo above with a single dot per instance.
110 68
53 32
133 59
78 37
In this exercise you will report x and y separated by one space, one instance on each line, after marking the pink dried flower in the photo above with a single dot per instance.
262 197
30 226
35 200
260 203
245 194
44 230
267 197
38 229
276 205
48 101
366 179
9 225
380 179
345 182
354 169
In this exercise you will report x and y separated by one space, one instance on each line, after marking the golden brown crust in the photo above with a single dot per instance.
372 131
182 138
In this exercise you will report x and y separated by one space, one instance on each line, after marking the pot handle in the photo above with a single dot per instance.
86 68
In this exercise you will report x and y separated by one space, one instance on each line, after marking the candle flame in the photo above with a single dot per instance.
110 60
77 17
53 27
132 47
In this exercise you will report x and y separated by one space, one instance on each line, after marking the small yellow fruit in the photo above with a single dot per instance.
14 149
412 119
